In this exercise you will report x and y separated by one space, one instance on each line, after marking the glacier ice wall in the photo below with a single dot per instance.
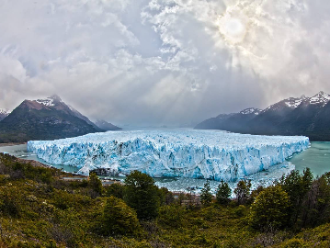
208 154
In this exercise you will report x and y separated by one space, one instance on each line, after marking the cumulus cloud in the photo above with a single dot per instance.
163 61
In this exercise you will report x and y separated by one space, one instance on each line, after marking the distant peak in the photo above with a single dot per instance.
323 94
247 111
55 98
320 97
49 101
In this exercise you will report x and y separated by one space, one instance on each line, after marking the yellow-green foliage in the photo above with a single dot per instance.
171 215
270 208
294 243
37 209
119 219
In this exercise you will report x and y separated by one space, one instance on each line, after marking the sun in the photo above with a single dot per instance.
233 26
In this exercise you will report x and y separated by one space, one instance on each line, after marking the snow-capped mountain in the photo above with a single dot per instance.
3 114
249 111
48 118
303 115
319 98
293 102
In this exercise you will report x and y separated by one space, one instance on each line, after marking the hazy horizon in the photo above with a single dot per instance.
163 62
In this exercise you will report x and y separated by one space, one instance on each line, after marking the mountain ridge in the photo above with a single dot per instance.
42 119
308 116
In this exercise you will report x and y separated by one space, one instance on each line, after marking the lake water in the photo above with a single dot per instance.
317 158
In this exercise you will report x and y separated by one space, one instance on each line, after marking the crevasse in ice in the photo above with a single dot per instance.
208 154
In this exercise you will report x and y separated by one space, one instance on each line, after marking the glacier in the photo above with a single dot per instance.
200 154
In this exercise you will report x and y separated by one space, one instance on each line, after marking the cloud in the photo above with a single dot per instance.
163 61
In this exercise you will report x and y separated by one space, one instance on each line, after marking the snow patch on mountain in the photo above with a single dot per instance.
46 102
320 97
248 111
293 102
49 101
216 155
4 112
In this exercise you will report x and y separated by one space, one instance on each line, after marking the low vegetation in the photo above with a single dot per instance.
39 209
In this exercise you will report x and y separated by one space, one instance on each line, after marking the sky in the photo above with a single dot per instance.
163 62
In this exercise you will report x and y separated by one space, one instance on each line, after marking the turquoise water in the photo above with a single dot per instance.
317 158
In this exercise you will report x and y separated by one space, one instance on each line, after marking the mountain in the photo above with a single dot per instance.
104 125
48 118
309 116
235 120
3 114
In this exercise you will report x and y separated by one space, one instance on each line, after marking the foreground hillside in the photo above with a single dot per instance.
40 209
307 116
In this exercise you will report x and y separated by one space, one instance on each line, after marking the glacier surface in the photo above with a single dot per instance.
205 154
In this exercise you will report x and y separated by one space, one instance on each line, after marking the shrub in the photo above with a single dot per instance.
171 215
206 196
116 190
294 243
223 193
141 194
119 219
95 184
270 209
242 192
10 200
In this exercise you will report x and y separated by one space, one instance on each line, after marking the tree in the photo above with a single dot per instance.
119 219
166 197
206 196
141 193
242 192
316 203
223 193
307 180
95 184
297 187
116 190
270 209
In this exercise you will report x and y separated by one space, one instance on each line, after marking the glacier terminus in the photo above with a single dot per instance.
188 153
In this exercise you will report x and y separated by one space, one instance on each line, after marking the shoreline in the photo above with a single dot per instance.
39 164
12 144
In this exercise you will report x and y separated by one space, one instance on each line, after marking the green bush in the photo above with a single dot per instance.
206 196
119 219
270 209
294 243
141 193
223 193
95 184
171 215
11 201
242 192
116 190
